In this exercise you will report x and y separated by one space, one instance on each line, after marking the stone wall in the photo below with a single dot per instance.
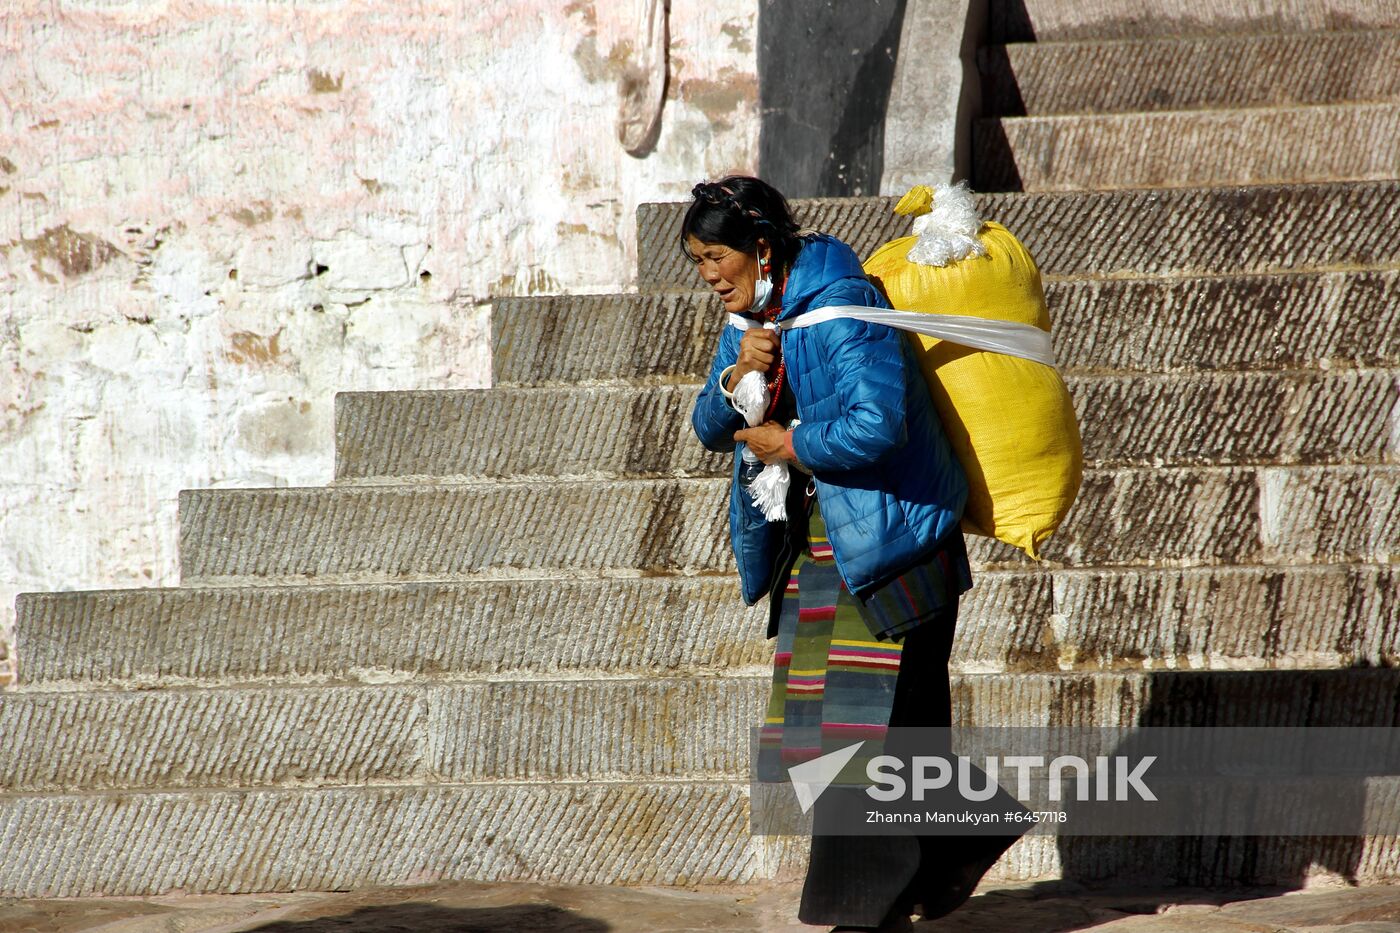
213 216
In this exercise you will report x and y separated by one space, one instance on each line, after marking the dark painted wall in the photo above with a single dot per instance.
824 73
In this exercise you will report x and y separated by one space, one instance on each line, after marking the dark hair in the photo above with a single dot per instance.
737 212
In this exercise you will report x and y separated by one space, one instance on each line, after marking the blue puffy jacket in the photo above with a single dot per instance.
887 481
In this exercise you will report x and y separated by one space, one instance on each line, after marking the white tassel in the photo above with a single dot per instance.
769 489
751 398
948 232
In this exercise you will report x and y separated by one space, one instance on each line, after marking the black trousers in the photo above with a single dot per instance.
864 880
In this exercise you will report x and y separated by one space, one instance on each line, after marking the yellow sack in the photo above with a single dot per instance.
1010 420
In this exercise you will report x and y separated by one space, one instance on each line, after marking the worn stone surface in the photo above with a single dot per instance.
1322 907
1278 70
1275 514
1341 512
1325 321
510 432
386 533
1128 517
629 730
524 629
236 841
935 88
1107 325
1316 617
592 338
1047 20
1188 231
1260 417
1216 618
660 833
1129 865
1263 146
1172 420
572 730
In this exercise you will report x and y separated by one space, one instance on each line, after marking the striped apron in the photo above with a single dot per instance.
836 660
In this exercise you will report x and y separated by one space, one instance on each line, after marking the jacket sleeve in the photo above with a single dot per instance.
867 365
713 418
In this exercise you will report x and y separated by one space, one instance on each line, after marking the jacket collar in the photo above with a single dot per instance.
822 260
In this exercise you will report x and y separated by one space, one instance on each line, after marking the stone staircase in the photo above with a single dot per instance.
506 642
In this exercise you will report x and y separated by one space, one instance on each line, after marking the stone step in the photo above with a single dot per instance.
1185 231
392 632
1055 20
629 730
590 338
614 431
283 736
1225 618
237 840
1265 146
683 833
1268 70
1304 320
584 528
62 846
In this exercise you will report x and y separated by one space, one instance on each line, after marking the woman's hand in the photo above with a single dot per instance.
758 348
768 441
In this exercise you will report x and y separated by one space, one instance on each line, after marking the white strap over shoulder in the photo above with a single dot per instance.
1010 337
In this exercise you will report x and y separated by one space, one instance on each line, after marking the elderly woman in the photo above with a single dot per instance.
863 577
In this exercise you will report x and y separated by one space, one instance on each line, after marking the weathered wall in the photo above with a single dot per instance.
215 215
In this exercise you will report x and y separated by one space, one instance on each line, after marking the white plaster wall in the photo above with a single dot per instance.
213 216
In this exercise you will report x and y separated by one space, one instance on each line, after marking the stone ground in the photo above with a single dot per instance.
467 907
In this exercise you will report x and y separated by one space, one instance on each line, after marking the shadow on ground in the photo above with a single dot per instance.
1061 907
430 918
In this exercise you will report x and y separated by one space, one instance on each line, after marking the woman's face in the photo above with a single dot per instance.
729 272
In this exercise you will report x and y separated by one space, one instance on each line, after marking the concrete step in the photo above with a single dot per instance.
388 633
1268 70
1328 616
584 528
500 432
617 431
1303 320
682 833
1054 20
1266 146
237 840
1187 231
283 736
628 731
1221 618
587 338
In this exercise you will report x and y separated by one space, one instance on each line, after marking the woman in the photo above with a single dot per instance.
863 578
